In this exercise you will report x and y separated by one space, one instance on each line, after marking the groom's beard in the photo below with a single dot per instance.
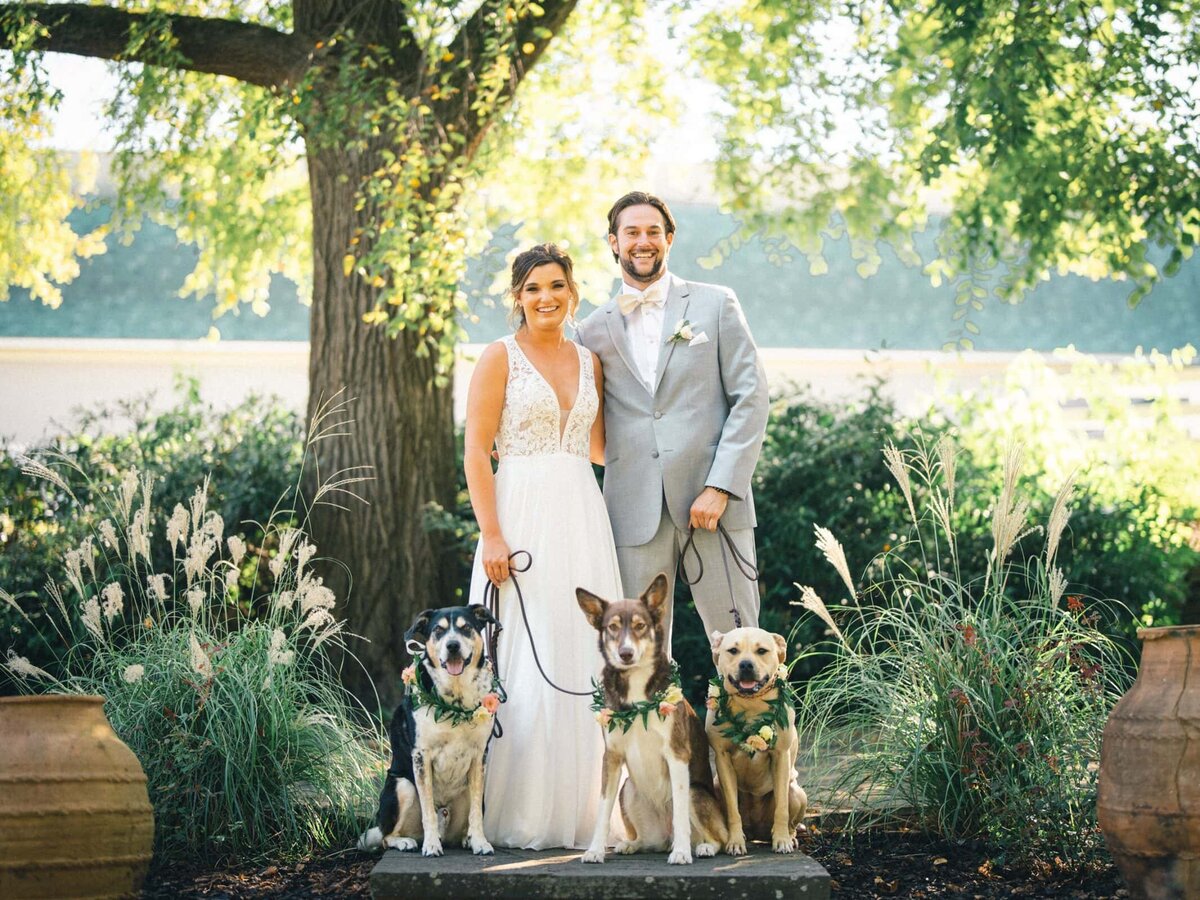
628 266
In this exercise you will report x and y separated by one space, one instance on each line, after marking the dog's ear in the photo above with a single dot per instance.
419 630
714 642
656 595
483 616
593 607
781 647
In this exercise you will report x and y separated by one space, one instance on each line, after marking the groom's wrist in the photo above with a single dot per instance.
719 490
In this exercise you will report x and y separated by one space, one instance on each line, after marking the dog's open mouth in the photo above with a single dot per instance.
455 665
748 686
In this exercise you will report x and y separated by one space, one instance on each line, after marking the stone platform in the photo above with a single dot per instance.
538 874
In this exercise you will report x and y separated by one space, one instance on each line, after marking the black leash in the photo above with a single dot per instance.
745 566
491 596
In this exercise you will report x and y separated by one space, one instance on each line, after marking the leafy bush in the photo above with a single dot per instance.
252 451
250 744
975 703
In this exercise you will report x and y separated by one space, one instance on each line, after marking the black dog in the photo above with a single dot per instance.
439 733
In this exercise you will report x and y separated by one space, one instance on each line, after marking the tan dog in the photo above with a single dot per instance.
751 726
668 801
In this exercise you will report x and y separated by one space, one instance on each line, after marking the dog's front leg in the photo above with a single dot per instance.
423 771
783 836
609 782
681 813
736 845
475 836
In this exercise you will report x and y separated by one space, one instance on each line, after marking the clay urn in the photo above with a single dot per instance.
75 816
1149 798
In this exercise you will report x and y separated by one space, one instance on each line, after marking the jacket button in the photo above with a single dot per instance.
654 454
658 414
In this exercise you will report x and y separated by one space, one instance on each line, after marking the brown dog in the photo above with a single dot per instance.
669 800
751 726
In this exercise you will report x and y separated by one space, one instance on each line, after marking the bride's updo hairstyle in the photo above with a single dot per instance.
526 262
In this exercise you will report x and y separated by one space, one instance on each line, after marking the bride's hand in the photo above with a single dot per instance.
495 559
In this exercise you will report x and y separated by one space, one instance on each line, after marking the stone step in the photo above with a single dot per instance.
546 874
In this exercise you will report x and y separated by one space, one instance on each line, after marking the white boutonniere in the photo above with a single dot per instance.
685 333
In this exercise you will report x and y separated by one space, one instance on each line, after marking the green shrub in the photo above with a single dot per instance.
227 695
252 452
974 703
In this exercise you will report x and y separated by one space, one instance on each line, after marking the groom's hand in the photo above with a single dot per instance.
708 508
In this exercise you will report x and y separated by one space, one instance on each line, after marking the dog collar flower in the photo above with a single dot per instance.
762 732
683 332
663 703
446 709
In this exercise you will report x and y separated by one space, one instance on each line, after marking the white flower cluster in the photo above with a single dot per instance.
278 654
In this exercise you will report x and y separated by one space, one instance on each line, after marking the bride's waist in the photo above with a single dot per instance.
527 459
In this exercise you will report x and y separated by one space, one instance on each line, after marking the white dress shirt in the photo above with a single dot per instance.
644 329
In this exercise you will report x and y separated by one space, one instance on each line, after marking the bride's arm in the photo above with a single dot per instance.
597 448
485 400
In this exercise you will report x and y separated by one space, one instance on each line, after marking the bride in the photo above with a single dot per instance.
536 396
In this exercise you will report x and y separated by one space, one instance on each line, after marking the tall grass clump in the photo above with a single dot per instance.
225 691
974 706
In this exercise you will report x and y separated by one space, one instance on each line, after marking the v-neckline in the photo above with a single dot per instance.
563 422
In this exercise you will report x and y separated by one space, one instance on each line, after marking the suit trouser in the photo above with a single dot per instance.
711 593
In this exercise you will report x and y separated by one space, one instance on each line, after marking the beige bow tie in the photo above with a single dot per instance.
629 302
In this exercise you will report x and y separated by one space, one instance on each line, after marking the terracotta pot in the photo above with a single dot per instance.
1149 800
75 817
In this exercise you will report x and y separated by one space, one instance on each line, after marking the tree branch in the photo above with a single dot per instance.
251 53
532 35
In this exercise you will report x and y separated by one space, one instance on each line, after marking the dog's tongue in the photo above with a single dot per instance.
455 666
747 685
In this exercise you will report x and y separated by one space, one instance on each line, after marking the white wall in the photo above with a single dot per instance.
42 380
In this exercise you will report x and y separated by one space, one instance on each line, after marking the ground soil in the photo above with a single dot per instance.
875 864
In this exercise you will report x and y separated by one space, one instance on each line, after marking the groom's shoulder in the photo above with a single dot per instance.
585 326
717 292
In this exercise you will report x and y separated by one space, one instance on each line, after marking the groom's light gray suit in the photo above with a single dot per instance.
701 425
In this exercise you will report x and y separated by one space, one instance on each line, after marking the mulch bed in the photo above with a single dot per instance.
875 864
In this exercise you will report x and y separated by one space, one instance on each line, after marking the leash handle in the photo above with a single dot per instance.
745 566
491 599
491 595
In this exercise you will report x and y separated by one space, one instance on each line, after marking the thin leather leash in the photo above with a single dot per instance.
491 596
745 566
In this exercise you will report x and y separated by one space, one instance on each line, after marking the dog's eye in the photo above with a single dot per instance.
732 651
761 651
614 627
639 627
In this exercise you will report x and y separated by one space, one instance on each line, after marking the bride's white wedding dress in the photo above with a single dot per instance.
543 774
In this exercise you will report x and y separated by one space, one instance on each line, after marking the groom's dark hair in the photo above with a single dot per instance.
640 198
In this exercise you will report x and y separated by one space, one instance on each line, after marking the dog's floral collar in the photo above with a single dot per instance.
445 709
760 733
663 704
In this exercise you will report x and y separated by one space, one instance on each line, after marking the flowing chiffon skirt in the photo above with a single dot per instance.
543 774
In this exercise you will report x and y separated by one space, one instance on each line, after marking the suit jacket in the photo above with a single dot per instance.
702 424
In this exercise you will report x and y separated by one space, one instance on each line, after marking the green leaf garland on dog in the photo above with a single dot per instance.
662 704
762 732
445 709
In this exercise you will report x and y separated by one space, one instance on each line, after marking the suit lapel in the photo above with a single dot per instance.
616 333
675 309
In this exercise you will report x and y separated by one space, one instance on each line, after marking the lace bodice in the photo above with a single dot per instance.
531 422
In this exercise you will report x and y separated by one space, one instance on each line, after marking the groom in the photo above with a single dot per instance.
685 411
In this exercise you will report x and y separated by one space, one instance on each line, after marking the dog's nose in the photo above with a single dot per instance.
746 669
626 654
453 647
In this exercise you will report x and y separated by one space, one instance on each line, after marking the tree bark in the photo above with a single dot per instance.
382 565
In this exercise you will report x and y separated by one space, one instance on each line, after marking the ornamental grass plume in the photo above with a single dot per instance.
230 699
973 707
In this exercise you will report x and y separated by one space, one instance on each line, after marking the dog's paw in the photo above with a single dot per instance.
479 846
681 856
432 847
627 847
786 843
401 843
736 845
593 855
703 850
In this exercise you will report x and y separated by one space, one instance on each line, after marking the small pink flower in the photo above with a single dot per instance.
665 709
491 703
755 743
711 703
409 675
604 717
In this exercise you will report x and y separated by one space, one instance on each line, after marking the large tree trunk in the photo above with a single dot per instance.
379 559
